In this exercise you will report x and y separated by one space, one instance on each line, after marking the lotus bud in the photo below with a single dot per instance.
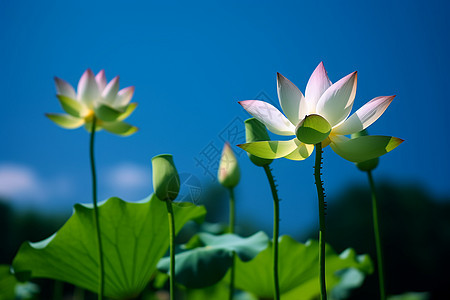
313 129
367 165
255 131
228 173
166 182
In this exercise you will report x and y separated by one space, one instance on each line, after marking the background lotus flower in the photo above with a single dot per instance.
333 104
95 97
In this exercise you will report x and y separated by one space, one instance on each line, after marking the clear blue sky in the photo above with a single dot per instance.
190 63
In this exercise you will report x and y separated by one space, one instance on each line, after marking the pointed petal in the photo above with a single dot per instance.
107 113
64 88
317 84
364 147
110 92
100 78
65 121
364 116
127 111
291 100
302 152
120 128
267 114
88 91
336 102
124 96
72 107
271 149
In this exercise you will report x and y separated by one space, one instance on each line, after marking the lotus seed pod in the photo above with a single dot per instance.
166 181
313 129
228 173
255 131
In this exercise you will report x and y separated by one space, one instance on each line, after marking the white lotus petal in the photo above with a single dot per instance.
336 102
88 91
109 94
101 80
317 84
64 88
291 100
124 96
364 116
267 114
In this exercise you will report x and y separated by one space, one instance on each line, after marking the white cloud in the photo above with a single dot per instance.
128 176
20 183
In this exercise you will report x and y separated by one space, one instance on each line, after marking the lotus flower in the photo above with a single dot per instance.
95 97
322 115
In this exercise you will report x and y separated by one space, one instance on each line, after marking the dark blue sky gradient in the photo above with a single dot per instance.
192 61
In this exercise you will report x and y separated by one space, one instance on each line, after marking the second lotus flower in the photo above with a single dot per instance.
95 98
323 111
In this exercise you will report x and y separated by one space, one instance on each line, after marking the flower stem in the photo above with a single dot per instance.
231 220
231 225
101 269
276 222
376 229
172 248
321 197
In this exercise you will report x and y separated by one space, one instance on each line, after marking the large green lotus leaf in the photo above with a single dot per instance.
219 291
134 236
12 289
298 269
204 266
7 283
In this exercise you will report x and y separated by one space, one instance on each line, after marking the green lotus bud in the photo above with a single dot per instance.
166 182
313 129
228 173
367 165
255 131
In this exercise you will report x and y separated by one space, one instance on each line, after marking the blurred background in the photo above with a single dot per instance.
190 64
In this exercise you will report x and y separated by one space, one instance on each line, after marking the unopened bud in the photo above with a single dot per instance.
166 182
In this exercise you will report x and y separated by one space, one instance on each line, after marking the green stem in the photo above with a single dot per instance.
101 269
231 226
376 229
321 197
276 222
231 221
172 247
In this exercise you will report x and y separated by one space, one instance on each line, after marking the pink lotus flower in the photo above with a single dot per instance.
331 105
95 97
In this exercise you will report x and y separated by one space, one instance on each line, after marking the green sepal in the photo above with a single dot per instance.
72 106
255 131
127 110
271 149
119 128
205 266
367 165
107 113
65 121
364 148
134 237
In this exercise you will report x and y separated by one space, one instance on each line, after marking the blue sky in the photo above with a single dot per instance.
190 63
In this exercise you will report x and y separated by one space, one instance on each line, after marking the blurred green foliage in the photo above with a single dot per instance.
415 232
